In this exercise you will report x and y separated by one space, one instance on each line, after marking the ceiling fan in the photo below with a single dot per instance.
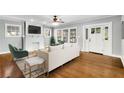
56 20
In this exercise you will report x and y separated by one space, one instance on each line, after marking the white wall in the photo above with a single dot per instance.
122 41
4 41
117 31
122 56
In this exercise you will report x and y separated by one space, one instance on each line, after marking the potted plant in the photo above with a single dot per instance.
61 42
52 41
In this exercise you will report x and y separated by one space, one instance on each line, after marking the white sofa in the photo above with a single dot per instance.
62 54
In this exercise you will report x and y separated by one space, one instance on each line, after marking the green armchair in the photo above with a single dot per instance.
17 53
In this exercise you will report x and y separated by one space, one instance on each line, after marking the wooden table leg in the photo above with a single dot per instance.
30 71
25 67
46 68
47 74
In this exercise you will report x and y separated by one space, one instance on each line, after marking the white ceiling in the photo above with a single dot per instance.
46 19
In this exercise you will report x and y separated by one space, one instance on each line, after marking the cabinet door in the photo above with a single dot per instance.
59 35
65 35
73 38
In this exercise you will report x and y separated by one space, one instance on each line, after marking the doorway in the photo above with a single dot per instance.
98 38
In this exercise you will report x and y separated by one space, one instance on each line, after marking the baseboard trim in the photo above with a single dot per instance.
4 52
115 56
122 59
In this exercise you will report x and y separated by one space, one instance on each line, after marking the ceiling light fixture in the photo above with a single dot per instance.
56 21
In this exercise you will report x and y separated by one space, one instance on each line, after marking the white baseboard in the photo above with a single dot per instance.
122 59
115 56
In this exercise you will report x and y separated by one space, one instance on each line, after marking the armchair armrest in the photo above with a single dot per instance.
20 49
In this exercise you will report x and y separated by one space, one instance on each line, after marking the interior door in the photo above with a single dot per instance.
98 38
92 40
107 39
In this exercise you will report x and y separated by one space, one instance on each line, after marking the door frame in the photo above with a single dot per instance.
109 24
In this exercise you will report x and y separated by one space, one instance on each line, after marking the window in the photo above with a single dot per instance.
59 35
98 30
86 34
92 30
12 30
106 33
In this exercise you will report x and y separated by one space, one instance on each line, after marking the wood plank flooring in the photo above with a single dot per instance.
8 68
89 65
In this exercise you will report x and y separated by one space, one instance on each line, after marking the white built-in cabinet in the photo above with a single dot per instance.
98 38
67 35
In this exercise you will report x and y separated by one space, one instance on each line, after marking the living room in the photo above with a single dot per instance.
59 41
61 46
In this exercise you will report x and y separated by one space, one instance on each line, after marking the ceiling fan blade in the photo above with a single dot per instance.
62 21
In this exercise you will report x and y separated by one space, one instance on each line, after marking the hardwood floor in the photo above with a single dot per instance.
87 65
8 68
90 65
